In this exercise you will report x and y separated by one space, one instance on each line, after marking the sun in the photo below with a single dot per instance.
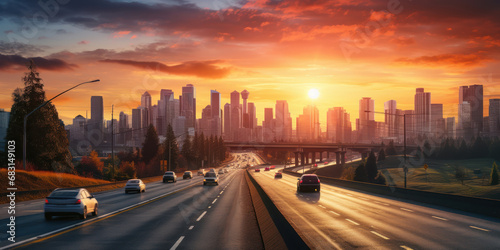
313 93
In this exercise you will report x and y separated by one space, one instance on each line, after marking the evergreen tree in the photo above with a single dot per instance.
171 147
463 150
47 145
187 151
223 149
494 149
151 145
494 174
360 174
479 148
202 150
381 155
371 167
391 150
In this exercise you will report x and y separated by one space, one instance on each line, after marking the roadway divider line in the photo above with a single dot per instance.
353 222
191 228
70 228
406 248
478 228
214 200
201 216
379 235
334 213
439 218
406 209
177 243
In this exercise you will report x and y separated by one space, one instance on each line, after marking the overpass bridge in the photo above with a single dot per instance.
308 151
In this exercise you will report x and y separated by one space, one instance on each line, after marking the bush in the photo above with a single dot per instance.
494 174
360 174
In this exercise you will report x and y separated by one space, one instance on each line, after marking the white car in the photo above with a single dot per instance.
211 178
135 185
221 171
70 201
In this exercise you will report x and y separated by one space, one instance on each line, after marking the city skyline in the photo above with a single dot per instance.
246 45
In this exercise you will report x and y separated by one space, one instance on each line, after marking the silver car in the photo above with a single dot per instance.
135 185
70 201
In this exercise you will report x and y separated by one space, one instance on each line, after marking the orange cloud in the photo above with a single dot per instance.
454 60
121 33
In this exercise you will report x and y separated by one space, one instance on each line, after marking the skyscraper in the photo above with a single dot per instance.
146 106
227 122
494 117
283 121
235 114
366 125
188 105
252 114
464 123
390 108
308 124
216 113
244 96
338 125
422 111
96 113
268 125
437 120
473 94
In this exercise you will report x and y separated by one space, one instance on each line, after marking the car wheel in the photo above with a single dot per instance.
95 211
163 181
144 190
126 192
84 215
204 184
48 216
298 189
318 190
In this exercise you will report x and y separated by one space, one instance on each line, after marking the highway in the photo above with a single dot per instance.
182 215
339 218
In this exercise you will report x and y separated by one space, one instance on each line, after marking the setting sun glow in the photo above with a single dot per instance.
313 93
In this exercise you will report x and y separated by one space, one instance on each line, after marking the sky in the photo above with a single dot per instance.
277 50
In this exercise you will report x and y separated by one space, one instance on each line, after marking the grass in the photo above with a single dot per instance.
43 182
439 177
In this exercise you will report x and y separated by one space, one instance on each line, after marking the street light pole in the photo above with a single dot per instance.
43 104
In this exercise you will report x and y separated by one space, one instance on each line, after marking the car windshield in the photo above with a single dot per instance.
169 173
64 194
210 174
133 181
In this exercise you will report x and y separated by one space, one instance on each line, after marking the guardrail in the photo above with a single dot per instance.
482 206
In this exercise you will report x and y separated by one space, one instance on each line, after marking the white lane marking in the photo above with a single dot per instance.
364 198
221 192
406 209
478 228
321 206
201 216
191 227
177 243
334 213
214 201
97 218
353 222
379 235
439 218
406 248
349 194
209 206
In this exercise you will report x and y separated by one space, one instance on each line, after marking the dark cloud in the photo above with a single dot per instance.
19 62
203 69
19 48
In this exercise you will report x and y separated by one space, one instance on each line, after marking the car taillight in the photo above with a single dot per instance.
78 201
46 201
318 180
300 181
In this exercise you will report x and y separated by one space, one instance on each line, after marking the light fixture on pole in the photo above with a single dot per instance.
43 104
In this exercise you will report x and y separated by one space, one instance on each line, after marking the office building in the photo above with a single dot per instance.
494 117
188 105
365 124
472 94
422 112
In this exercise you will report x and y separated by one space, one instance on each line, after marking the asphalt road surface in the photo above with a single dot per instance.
182 215
338 218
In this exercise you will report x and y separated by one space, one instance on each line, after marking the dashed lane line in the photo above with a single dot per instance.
177 243
201 216
353 222
478 228
439 218
191 227
379 235
406 209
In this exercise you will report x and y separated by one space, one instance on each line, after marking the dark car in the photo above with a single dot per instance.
278 175
169 176
308 182
257 170
187 175
266 169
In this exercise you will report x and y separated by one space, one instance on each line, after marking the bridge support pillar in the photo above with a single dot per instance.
307 158
342 158
296 158
337 158
313 158
302 158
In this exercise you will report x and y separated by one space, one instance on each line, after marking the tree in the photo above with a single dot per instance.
371 167
151 145
171 147
479 148
463 150
460 174
91 166
360 174
494 149
128 170
47 144
494 174
381 155
391 150
187 151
